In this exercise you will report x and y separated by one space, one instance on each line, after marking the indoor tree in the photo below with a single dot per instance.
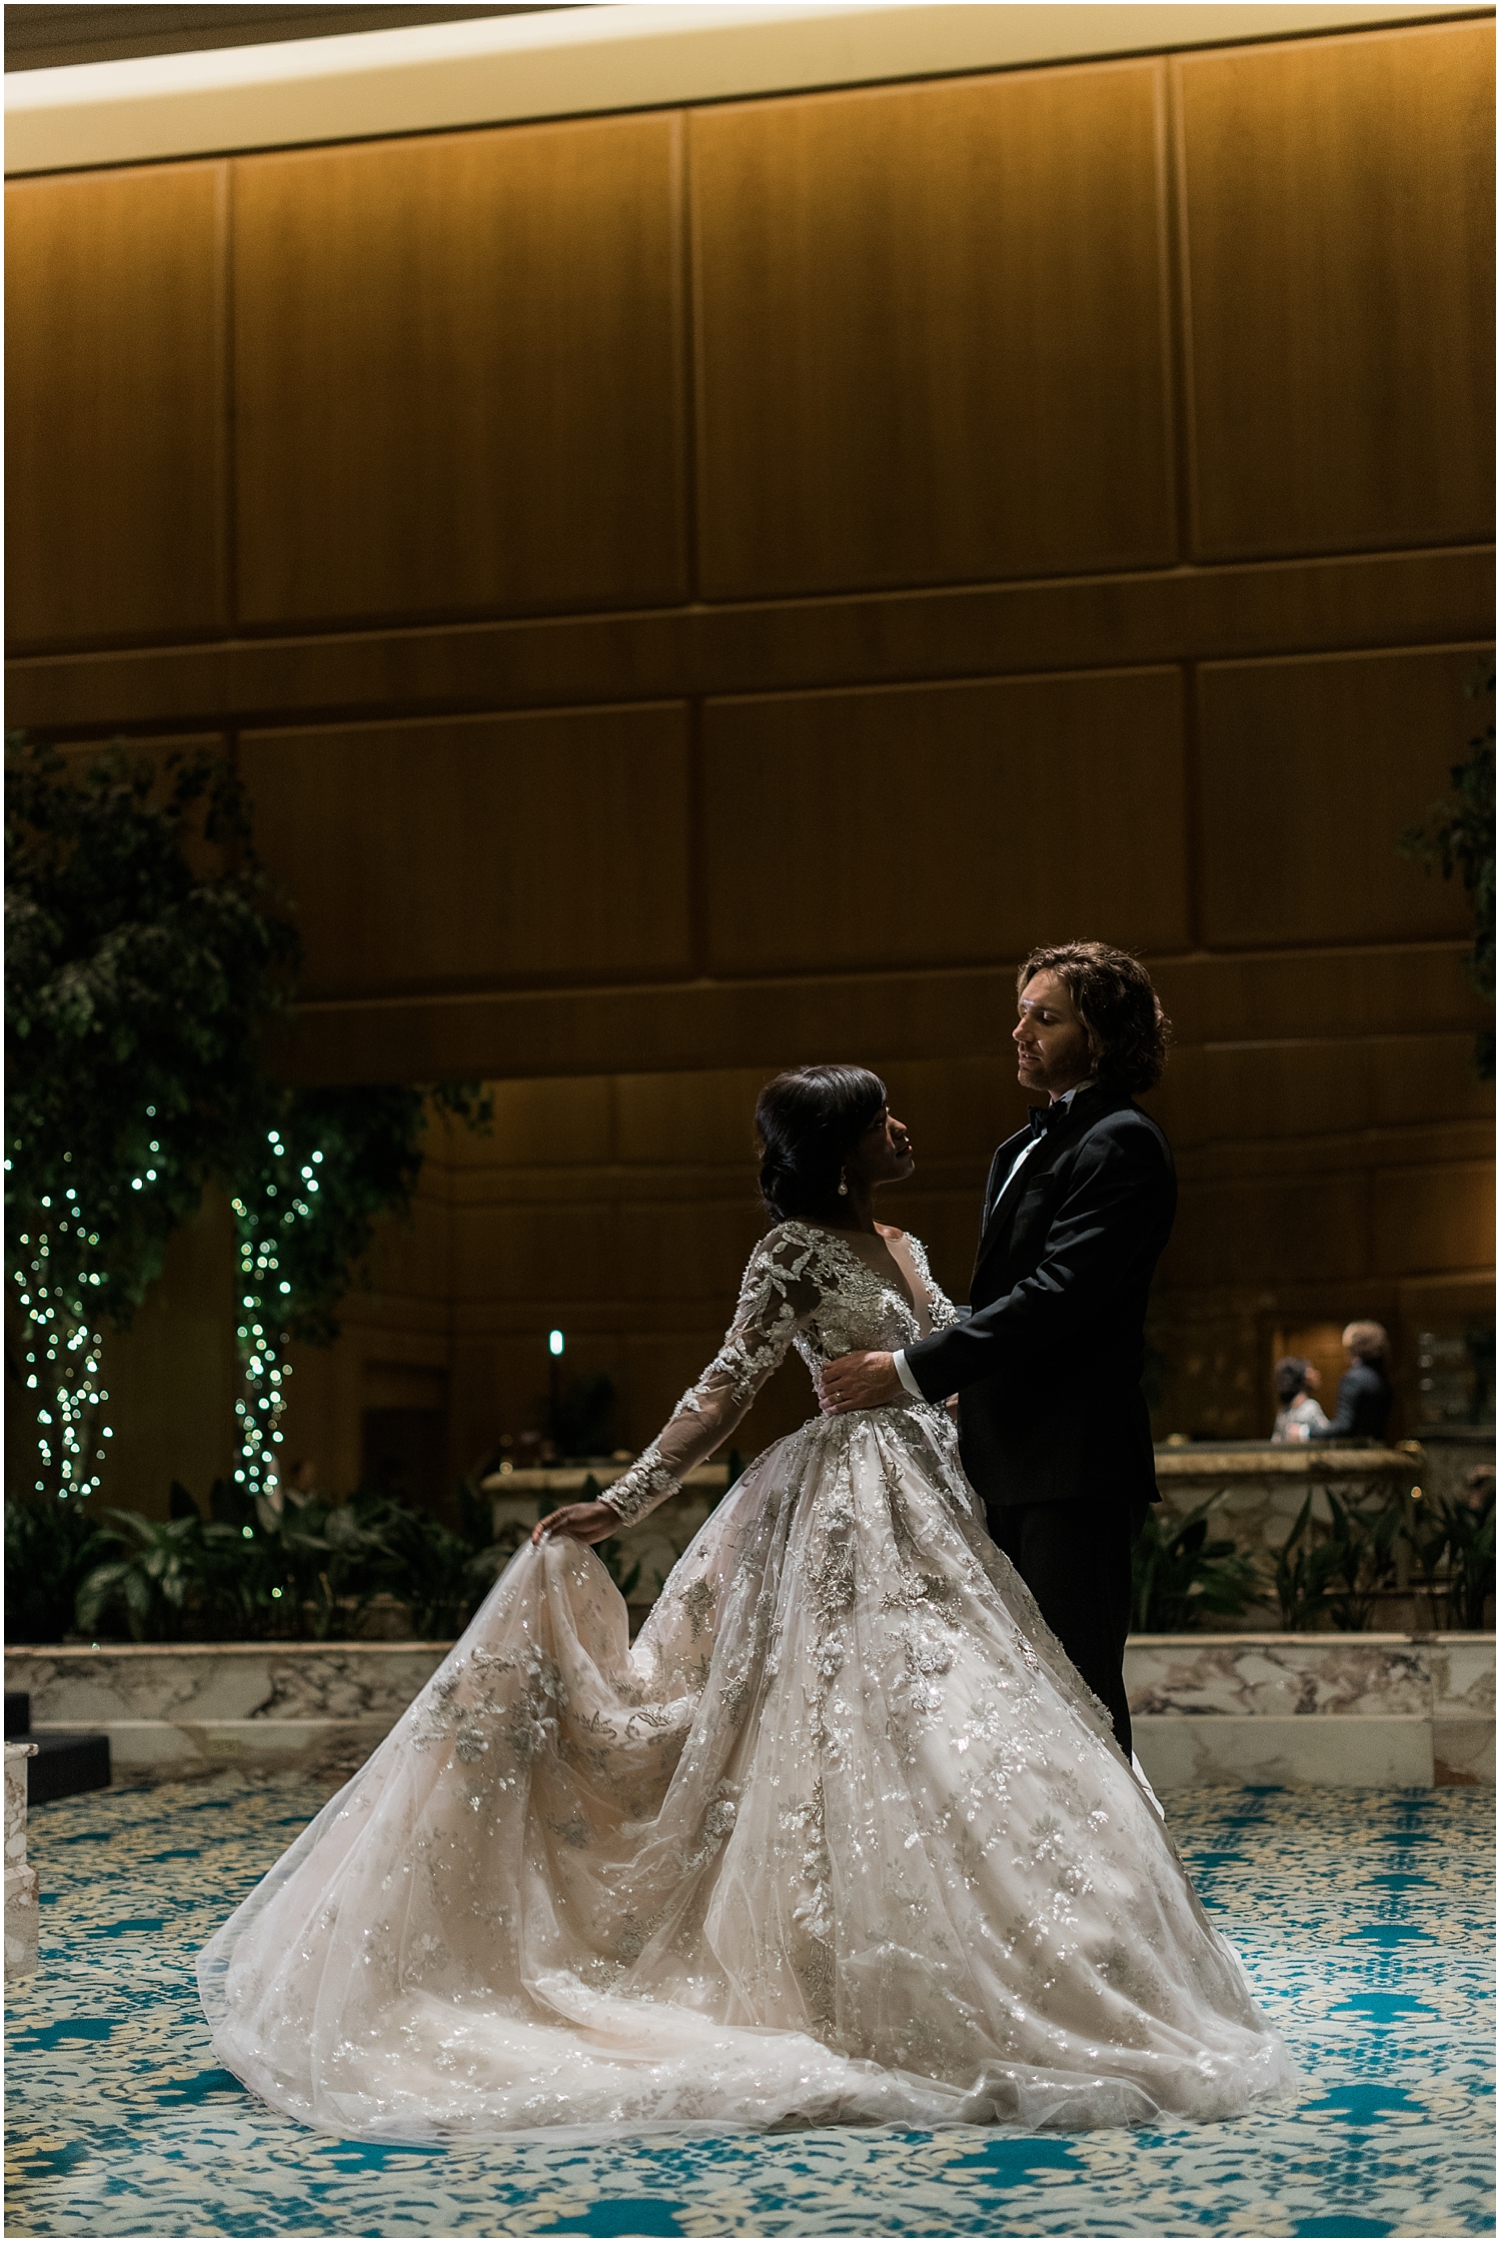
143 957
306 1199
146 953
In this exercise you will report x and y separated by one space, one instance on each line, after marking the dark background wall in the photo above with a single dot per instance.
699 590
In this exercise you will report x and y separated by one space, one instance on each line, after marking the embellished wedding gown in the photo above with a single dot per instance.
843 1837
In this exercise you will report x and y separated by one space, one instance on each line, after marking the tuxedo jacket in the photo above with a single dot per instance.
1364 1405
1047 1363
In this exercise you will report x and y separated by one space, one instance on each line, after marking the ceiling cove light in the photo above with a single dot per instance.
574 61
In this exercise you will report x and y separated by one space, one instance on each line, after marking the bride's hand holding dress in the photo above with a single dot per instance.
583 1521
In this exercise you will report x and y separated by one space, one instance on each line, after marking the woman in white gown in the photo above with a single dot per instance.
843 1837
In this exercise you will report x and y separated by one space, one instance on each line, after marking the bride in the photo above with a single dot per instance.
842 1838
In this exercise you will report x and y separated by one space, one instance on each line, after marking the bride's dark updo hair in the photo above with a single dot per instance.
808 1121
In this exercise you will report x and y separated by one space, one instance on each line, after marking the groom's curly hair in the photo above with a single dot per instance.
1127 1029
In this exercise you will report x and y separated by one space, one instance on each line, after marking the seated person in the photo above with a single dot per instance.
1298 1416
1364 1404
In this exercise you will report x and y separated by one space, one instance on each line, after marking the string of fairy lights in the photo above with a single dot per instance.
62 1347
260 1336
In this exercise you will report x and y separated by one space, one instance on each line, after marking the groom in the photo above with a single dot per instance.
1052 1423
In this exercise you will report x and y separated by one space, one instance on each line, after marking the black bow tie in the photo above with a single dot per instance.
1041 1118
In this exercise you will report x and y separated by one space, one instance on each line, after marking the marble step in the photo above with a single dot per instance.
63 1761
22 1919
66 1761
1377 1752
1369 1710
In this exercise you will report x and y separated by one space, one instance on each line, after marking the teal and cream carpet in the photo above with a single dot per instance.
1364 1918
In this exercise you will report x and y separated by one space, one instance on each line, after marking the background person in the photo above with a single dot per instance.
1364 1404
1298 1415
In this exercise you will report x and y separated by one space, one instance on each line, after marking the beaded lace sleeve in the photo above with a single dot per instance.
784 1281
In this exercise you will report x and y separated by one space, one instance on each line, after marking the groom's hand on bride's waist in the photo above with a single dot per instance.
858 1382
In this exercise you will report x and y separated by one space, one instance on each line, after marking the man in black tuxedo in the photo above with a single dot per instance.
1053 1425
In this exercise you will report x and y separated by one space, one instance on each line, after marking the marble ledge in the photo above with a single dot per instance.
1376 1709
1310 1676
22 1907
195 1682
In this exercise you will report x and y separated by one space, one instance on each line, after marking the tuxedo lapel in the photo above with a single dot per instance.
1089 1106
996 1194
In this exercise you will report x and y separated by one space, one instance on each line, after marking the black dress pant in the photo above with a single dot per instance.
1075 1559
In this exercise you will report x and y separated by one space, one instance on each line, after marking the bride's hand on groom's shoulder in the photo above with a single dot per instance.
581 1521
863 1381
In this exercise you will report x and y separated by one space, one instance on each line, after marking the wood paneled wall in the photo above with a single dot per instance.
700 590
458 368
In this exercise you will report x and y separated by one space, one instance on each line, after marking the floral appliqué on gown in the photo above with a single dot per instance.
841 1838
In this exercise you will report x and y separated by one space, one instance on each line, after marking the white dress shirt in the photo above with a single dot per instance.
1027 1149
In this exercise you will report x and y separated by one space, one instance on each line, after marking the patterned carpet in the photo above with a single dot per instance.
1364 1919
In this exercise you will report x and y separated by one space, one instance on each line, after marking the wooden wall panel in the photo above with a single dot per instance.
547 1252
1311 772
1020 629
552 1124
930 351
411 1259
492 850
172 1378
459 380
956 1012
1438 1218
931 332
1419 1081
1338 221
1316 1176
1260 1091
960 1109
664 1119
115 406
692 1251
1258 1232
944 824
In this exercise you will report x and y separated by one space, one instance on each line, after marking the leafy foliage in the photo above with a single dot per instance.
159 1579
1180 1578
1454 1540
257 1567
330 1163
1458 836
50 1547
1340 1571
143 959
1364 1537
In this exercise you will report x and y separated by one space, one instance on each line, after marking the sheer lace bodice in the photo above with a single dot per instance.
804 1287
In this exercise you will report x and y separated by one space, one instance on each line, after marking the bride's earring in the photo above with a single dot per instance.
843 1188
